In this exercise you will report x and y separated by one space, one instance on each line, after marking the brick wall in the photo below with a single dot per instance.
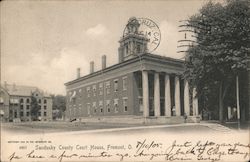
78 106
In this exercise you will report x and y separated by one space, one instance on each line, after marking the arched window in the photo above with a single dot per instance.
27 100
45 101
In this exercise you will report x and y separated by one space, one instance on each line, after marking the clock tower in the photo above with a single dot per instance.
133 42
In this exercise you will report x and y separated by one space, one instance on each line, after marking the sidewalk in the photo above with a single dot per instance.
213 126
232 124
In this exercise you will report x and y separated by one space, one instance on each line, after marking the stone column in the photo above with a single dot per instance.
195 103
131 47
145 93
186 98
167 96
177 97
157 94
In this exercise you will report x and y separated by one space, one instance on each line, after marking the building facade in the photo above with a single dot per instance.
141 87
15 103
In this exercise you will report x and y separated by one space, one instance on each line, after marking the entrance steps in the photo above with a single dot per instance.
133 119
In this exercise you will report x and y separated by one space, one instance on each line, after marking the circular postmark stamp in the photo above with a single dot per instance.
146 28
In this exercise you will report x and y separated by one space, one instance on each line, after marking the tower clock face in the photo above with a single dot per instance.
144 27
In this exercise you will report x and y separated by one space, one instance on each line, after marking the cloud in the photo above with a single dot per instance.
48 75
169 40
98 30
67 63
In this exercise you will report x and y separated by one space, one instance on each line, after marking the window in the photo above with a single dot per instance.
125 104
39 101
124 83
70 110
27 107
88 108
74 110
44 107
79 108
39 113
126 50
108 87
80 92
116 85
116 104
141 104
21 113
108 105
100 89
73 97
45 113
21 100
40 107
74 100
94 90
138 48
94 107
27 113
88 91
44 101
21 107
101 106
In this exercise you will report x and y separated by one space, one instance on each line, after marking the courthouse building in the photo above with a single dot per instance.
142 87
15 103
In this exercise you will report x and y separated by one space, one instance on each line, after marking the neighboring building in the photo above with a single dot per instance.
142 87
15 103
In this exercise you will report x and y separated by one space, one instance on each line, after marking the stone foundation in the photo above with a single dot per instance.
139 119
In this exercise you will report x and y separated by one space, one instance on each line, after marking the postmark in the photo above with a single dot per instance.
147 28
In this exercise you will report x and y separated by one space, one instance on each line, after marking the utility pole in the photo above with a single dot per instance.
238 100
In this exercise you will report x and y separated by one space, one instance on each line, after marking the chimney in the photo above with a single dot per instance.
78 73
103 61
91 67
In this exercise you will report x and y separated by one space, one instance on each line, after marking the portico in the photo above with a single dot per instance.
175 96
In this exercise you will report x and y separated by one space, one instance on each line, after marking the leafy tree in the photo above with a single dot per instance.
223 43
59 105
34 108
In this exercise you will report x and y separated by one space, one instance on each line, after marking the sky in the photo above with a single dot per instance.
44 42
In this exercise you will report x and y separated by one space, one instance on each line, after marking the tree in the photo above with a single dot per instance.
59 105
223 43
34 108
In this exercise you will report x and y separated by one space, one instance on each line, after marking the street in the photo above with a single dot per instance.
108 128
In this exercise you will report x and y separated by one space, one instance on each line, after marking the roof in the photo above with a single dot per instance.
20 90
125 63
